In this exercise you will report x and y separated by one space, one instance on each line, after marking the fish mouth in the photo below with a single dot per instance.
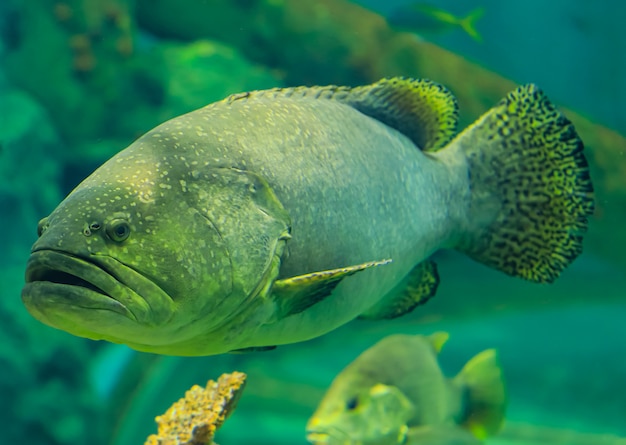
60 278
317 438
329 436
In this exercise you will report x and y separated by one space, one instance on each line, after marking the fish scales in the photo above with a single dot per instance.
345 180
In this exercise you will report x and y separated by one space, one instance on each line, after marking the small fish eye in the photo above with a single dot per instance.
352 403
42 225
118 230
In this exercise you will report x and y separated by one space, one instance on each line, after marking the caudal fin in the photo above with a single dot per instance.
530 188
485 401
468 23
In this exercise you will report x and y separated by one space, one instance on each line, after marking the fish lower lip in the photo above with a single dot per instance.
57 295
329 435
317 438
67 279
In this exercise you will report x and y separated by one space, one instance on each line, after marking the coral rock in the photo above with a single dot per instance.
194 419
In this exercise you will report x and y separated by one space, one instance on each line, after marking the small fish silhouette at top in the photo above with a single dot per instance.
425 19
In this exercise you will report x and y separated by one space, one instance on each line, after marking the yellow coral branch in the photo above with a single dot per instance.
195 418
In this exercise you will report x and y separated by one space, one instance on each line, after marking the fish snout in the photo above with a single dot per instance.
315 431
321 433
318 438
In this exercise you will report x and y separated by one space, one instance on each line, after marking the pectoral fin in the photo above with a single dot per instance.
416 288
296 294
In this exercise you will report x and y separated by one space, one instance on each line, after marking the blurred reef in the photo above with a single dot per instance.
80 79
195 418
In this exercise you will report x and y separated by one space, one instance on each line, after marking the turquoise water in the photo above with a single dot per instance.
80 80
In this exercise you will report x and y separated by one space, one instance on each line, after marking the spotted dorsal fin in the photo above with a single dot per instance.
424 111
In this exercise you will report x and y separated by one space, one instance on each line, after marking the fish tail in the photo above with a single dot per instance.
485 395
468 23
530 188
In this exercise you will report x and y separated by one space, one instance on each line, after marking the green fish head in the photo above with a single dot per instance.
110 265
163 262
376 415
160 253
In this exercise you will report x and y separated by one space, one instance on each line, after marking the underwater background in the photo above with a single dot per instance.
81 79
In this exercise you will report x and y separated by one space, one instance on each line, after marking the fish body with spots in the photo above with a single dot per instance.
275 216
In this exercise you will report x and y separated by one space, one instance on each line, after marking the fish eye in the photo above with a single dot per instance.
118 230
42 225
352 403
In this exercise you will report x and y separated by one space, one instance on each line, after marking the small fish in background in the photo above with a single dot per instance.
396 393
392 410
388 405
421 19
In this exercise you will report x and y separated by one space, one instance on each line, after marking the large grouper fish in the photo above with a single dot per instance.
275 216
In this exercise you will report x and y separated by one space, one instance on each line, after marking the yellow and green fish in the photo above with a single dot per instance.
276 216
395 393
422 18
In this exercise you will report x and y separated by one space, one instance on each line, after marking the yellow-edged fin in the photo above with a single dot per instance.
438 340
415 289
482 380
296 294
530 179
424 111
